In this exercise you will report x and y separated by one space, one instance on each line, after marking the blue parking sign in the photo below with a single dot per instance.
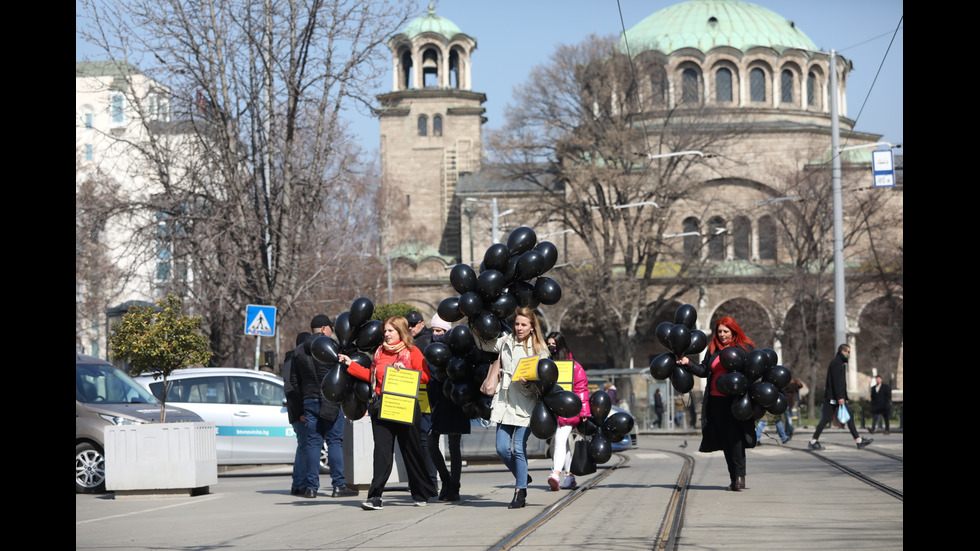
260 321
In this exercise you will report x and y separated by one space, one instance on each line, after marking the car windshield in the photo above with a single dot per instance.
101 383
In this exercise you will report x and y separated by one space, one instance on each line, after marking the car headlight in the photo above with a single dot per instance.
117 420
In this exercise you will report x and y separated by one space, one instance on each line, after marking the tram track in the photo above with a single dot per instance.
884 488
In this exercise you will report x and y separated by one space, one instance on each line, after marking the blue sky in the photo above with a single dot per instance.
514 36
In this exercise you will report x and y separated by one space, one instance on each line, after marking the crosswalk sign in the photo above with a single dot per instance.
260 321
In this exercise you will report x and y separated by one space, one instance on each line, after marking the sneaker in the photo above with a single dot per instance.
864 442
343 491
553 483
373 504
421 503
815 446
569 483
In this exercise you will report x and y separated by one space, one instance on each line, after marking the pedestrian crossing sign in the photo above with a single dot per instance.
260 321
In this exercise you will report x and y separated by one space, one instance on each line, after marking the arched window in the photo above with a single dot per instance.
423 125
742 238
437 125
723 85
406 70
716 238
757 85
787 80
430 68
767 238
690 87
811 90
658 86
454 69
692 242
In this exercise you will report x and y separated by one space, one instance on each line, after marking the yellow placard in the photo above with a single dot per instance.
403 382
566 374
424 399
527 369
400 409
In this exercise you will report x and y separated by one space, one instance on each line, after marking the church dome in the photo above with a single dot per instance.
431 23
707 24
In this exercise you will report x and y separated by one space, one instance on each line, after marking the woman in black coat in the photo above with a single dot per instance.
449 419
720 430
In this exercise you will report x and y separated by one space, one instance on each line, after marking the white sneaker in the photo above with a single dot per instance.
569 483
421 503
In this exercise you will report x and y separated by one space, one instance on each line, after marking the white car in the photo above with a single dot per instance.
248 408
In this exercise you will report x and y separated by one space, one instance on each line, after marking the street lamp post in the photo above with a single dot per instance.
496 215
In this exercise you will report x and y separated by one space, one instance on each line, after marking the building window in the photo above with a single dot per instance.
88 152
786 87
423 125
757 85
437 125
658 86
811 90
716 238
692 237
689 86
723 85
116 109
742 238
88 120
767 238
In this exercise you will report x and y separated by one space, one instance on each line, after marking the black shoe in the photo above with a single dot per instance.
343 491
373 504
296 491
310 493
864 442
520 500
815 446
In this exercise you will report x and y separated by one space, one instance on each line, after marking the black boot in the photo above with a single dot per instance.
520 497
451 493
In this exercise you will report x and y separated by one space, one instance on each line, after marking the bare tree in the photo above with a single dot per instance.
254 185
588 128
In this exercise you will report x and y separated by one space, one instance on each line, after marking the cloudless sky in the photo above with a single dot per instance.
514 36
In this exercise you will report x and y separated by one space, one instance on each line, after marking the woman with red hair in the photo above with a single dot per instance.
720 430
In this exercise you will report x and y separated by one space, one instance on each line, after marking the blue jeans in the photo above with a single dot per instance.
779 430
334 435
515 460
313 443
299 462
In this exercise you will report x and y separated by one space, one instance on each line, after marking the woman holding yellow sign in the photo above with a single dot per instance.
512 403
398 352
580 386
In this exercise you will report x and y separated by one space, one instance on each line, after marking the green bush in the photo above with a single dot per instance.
385 311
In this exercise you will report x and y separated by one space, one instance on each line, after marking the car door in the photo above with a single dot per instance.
261 425
208 397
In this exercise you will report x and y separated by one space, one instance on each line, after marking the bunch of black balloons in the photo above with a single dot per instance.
462 367
755 380
504 284
603 430
357 337
682 339
555 401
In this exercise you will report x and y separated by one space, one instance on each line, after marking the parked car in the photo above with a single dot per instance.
481 443
106 395
630 442
248 407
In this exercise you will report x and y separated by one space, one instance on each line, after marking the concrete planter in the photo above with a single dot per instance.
359 456
161 458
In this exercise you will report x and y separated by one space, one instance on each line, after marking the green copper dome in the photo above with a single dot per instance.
431 23
706 24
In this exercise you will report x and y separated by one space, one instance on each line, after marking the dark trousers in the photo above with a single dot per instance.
880 415
827 414
385 433
450 476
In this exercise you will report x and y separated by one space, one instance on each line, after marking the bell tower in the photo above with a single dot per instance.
431 131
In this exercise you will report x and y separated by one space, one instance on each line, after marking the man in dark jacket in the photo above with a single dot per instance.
881 405
835 396
322 420
294 410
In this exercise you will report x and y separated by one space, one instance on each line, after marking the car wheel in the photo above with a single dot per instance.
89 469
324 465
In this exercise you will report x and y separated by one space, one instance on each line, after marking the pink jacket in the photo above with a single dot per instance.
580 386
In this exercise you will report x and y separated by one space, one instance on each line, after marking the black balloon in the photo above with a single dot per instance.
482 404
334 384
771 357
361 359
510 272
742 407
530 265
600 449
619 423
370 335
686 315
680 339
459 339
612 436
470 304
550 253
755 365
437 354
459 369
463 278
764 393
780 406
487 325
361 311
490 284
362 390
732 358
663 366
682 380
449 309
778 375
524 292
732 383
758 412
563 403
342 329
353 408
504 306
544 423
462 393
663 333
521 240
699 341
496 258
547 371
600 404
586 427
324 349
547 291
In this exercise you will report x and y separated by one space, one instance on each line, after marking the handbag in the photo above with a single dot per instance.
582 462
843 416
489 386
